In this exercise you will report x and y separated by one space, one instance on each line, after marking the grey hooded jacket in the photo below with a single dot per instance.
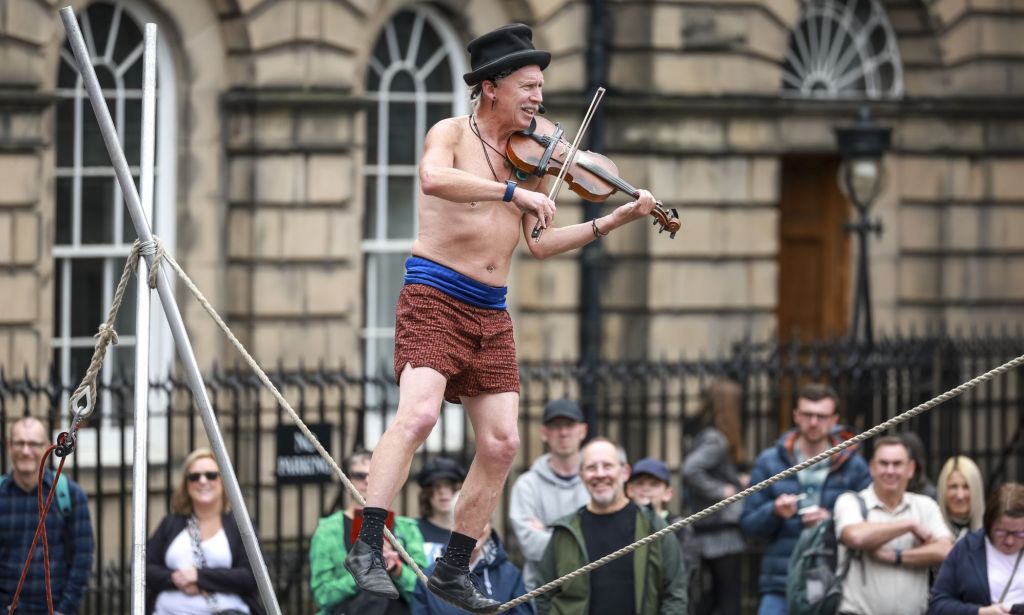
540 494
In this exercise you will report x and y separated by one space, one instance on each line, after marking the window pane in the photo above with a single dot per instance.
133 76
80 359
402 133
64 215
97 210
383 359
67 75
128 38
124 324
401 208
132 132
58 287
94 152
65 132
440 79
122 398
403 82
106 78
86 296
390 276
370 211
437 112
403 28
100 16
429 43
372 117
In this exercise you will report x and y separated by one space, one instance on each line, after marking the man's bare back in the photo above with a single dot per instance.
477 238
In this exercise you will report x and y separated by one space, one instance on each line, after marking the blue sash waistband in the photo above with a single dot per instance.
464 288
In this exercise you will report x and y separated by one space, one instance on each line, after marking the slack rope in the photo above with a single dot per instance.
107 335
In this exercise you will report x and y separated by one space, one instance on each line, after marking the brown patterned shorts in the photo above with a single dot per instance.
472 347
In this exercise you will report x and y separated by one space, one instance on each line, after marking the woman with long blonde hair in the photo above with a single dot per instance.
961 495
195 560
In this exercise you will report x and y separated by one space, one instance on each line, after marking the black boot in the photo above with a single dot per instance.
458 588
367 567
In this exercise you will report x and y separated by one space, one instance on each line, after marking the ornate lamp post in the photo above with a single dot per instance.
861 176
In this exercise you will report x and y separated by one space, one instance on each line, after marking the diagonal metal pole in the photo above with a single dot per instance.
140 466
177 326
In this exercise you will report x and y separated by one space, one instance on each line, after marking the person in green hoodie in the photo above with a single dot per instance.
648 581
334 589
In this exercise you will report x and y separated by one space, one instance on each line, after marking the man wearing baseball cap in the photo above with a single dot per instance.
552 487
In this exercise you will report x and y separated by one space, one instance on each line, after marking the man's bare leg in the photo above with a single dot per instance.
420 393
494 418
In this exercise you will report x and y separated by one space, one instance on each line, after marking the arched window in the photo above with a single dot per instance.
93 230
843 49
413 80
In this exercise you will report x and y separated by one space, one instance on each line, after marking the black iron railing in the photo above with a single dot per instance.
641 404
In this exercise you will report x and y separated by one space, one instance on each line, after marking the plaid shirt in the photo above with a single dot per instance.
69 569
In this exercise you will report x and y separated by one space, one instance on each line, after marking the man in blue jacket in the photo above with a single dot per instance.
778 514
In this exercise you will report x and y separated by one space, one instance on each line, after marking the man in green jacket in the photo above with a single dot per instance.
334 589
648 581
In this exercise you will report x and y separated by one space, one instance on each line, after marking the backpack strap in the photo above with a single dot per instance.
854 554
63 496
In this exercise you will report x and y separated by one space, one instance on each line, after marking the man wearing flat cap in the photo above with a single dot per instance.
453 334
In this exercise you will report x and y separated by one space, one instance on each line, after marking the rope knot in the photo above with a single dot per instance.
106 334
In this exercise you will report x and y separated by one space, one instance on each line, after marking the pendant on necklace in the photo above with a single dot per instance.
522 175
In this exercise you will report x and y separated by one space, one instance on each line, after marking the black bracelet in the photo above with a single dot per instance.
597 231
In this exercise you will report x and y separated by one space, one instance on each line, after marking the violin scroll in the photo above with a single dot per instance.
667 218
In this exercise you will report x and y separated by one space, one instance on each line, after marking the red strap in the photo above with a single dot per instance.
40 531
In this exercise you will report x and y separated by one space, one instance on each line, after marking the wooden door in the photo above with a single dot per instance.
814 250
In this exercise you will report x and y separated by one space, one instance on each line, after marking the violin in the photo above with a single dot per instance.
540 150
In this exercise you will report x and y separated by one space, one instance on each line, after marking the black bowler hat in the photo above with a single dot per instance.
439 468
508 47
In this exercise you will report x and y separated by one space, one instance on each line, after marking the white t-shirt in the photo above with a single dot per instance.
179 555
1000 567
874 588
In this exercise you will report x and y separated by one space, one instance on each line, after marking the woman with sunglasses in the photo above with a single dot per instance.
983 574
195 560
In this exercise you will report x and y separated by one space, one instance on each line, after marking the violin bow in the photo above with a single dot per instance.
598 95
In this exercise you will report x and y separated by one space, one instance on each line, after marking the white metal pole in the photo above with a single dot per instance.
177 326
140 458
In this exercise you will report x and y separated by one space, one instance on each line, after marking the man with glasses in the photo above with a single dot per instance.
902 537
334 589
778 514
68 527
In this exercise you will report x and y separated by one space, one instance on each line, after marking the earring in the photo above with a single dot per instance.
494 101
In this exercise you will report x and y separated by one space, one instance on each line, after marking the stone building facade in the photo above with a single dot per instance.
274 186
287 139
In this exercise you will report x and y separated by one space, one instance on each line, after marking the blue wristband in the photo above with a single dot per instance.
510 187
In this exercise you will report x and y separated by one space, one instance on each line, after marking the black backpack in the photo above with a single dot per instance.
814 582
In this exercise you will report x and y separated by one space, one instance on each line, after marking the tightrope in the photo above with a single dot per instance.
107 335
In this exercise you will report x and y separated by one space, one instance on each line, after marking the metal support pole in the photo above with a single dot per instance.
592 256
140 458
177 326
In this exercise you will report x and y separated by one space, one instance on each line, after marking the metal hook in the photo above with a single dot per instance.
82 411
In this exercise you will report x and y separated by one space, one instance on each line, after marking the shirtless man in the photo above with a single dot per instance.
453 335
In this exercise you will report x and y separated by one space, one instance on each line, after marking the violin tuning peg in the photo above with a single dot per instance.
655 223
671 235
